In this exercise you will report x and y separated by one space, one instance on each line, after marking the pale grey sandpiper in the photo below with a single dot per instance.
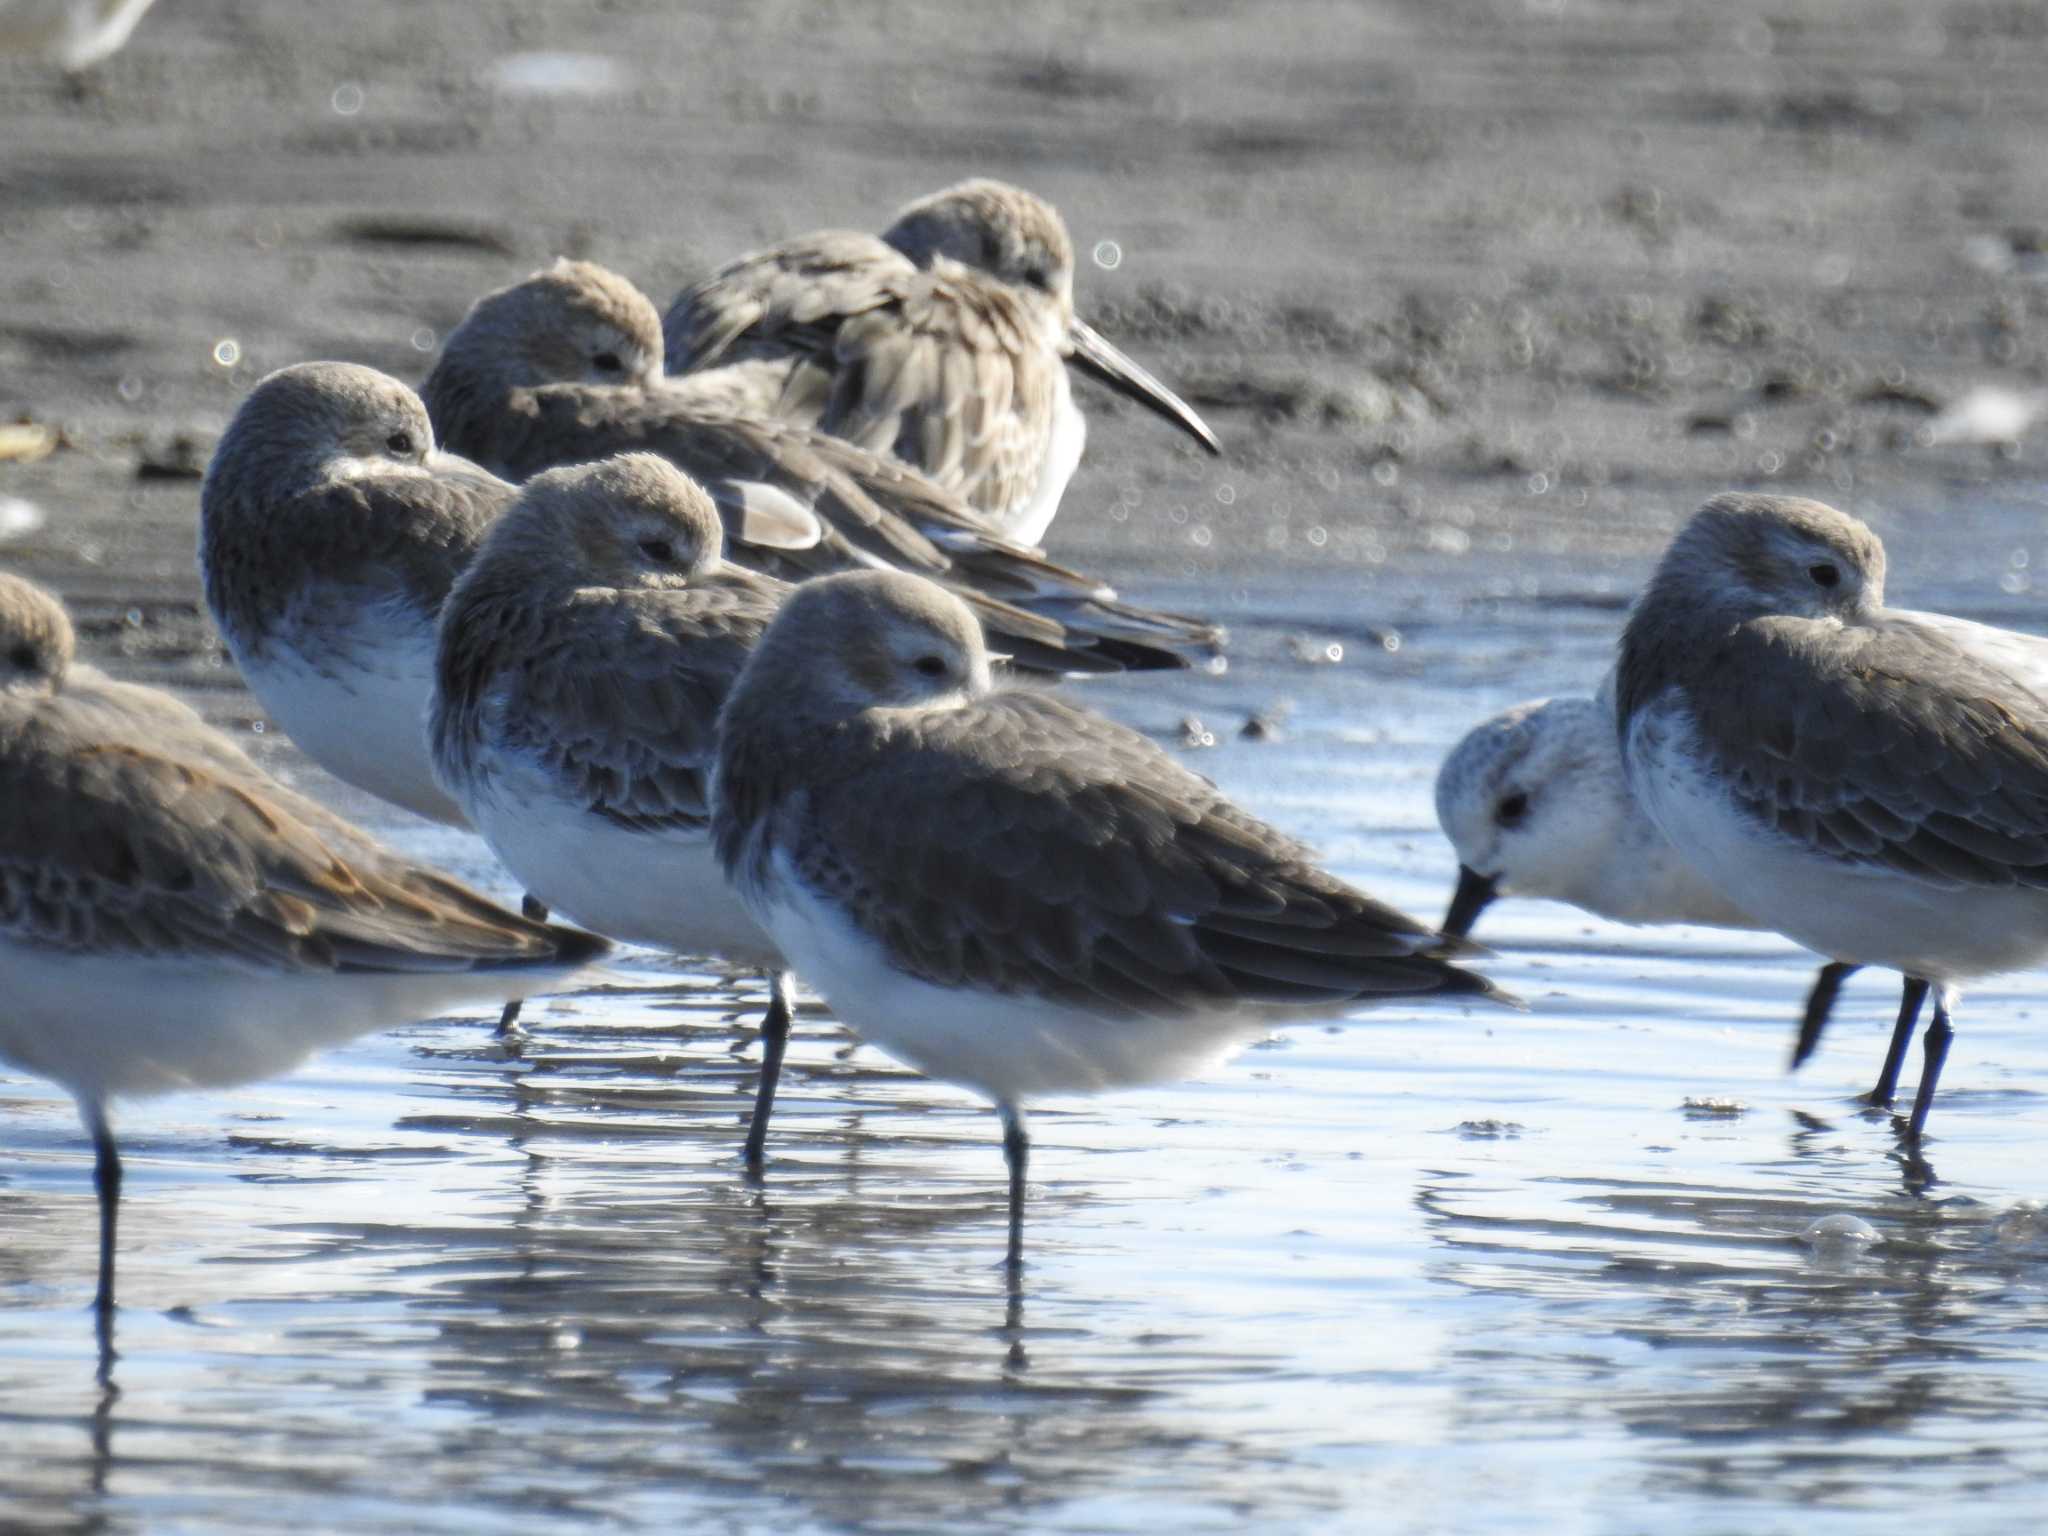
583 658
172 918
1536 804
1872 785
565 367
330 530
944 342
1008 892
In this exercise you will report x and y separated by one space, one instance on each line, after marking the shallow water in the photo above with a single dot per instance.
1437 1269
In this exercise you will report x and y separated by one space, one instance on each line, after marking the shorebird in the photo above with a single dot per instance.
330 530
1008 892
1872 786
583 658
565 367
1536 804
944 342
171 917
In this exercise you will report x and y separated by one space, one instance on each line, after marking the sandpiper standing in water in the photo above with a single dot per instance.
1011 893
171 917
583 658
1871 785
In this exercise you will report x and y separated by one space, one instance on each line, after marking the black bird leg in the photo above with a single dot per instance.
1017 1153
1934 1047
774 1039
106 1180
536 911
1910 998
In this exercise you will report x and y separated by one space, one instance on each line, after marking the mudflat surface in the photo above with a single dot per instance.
1483 300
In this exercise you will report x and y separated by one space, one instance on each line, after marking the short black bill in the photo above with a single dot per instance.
1473 896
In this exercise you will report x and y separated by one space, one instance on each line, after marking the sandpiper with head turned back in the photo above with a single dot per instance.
1011 893
1868 783
583 658
171 917
944 342
330 530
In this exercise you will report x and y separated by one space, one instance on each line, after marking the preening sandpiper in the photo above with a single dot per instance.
944 342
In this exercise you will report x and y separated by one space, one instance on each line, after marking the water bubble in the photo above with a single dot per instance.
258 727
227 351
1200 537
347 99
2013 583
1318 537
18 517
1770 461
1539 484
423 339
1839 1236
1226 494
2017 559
1386 472
1108 255
130 388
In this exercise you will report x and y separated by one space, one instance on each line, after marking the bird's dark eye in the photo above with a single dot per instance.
23 657
1512 809
931 666
399 442
607 362
660 550
1824 574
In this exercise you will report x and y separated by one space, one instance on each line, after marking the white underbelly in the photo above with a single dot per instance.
1941 931
1011 1048
364 720
1063 446
661 888
110 1025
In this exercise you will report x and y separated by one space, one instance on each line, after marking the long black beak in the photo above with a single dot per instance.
1106 363
1473 896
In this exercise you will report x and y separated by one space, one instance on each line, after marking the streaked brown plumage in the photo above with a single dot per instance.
944 342
565 367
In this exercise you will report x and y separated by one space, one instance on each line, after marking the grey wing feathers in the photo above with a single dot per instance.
874 512
153 855
1895 748
622 708
1020 845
